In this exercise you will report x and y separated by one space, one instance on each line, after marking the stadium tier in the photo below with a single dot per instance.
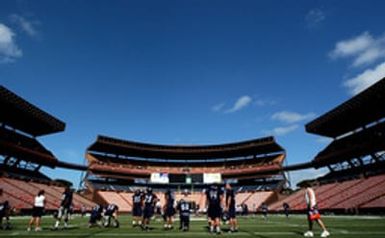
240 169
20 194
348 196
22 155
20 124
116 166
118 158
358 129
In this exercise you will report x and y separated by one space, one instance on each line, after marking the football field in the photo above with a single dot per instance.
275 226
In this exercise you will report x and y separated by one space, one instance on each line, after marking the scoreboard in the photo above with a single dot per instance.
206 178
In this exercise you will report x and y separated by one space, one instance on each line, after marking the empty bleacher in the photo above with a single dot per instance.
342 196
115 198
20 194
256 199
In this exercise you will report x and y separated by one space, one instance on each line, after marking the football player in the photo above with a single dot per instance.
96 216
214 204
148 210
230 208
111 213
184 208
169 210
137 210
64 209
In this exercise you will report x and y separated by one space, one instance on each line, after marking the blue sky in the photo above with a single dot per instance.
189 72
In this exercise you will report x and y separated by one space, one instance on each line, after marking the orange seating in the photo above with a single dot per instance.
21 194
257 198
114 197
358 193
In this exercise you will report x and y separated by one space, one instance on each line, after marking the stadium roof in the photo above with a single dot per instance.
108 145
366 107
22 115
180 162
365 142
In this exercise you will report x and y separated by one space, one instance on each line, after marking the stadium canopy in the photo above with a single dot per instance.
361 110
25 148
364 142
22 115
182 162
107 145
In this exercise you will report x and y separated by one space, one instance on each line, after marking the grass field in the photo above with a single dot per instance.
276 226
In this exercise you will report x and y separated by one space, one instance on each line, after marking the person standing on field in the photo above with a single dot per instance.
313 213
37 212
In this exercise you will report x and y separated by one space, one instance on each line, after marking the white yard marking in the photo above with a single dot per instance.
198 234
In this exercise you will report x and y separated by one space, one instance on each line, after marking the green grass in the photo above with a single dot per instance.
276 226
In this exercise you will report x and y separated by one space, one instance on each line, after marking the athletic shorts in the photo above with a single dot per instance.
232 212
137 211
184 219
95 217
148 212
214 212
37 211
170 211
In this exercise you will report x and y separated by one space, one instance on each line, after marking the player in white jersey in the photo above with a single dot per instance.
37 212
313 213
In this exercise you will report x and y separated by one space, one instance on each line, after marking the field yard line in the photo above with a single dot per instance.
34 234
342 232
286 224
285 233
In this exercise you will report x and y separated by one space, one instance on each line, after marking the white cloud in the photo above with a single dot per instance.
364 49
281 131
9 51
314 17
291 117
218 107
241 103
25 25
364 80
263 102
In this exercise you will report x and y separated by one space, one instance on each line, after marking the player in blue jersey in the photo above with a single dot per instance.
214 204
264 210
4 212
149 206
137 209
230 208
184 208
64 209
111 215
169 210
96 216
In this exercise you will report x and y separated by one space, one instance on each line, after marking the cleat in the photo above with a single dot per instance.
308 234
325 234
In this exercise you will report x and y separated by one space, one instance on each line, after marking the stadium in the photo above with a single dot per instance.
193 118
256 169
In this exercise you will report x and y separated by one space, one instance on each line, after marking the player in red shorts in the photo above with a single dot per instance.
313 213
